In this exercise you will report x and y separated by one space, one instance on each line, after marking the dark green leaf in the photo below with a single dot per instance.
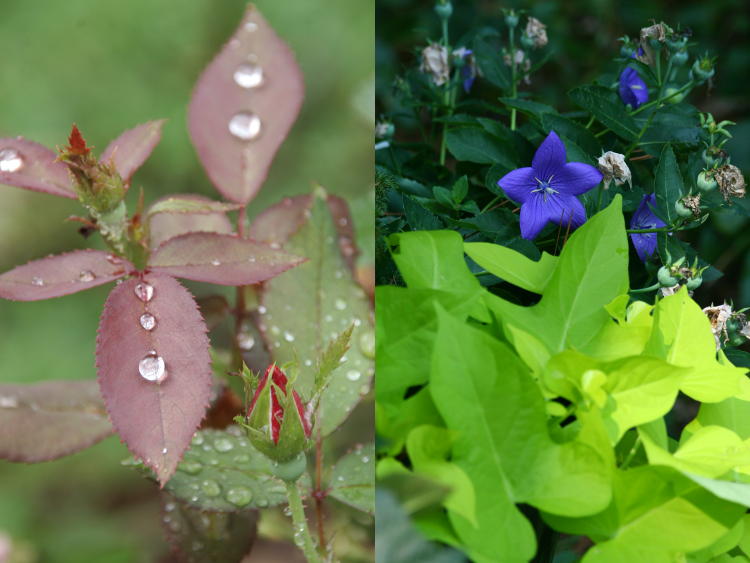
573 131
418 218
607 108
667 184
477 145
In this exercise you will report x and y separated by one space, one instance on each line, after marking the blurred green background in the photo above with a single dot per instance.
108 66
582 45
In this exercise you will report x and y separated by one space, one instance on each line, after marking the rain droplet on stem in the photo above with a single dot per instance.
144 291
148 321
39 282
248 75
86 276
10 160
245 126
152 368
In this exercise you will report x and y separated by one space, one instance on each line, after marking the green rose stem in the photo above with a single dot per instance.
239 310
301 532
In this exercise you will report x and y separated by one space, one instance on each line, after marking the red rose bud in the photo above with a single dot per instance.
278 424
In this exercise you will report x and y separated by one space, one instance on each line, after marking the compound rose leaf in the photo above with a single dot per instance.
62 275
169 224
130 150
51 419
220 259
26 164
323 292
154 368
243 106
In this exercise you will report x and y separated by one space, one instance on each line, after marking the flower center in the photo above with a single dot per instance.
545 187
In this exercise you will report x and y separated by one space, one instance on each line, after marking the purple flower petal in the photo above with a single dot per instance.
632 88
644 218
549 157
576 178
534 216
517 184
567 210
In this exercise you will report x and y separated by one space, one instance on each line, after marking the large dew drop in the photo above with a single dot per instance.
245 126
239 496
211 488
86 276
39 282
353 375
10 160
367 344
248 75
144 291
152 368
148 321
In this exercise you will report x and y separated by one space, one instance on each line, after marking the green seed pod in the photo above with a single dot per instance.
527 41
511 19
670 99
706 182
694 283
680 57
444 10
665 277
681 210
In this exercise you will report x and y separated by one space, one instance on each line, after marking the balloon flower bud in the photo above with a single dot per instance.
277 421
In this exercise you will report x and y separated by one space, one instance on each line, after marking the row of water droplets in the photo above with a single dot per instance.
84 276
246 125
152 367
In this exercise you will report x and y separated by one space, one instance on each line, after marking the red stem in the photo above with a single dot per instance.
319 494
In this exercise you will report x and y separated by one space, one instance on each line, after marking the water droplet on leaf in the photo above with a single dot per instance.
245 341
239 496
211 488
144 291
8 402
215 262
223 445
152 368
353 375
86 276
10 160
148 321
340 304
245 126
248 75
190 467
114 260
39 282
288 336
367 343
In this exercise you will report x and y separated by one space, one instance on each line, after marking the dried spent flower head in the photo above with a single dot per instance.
718 316
521 61
667 291
537 32
612 166
384 130
656 32
693 203
435 63
745 331
730 180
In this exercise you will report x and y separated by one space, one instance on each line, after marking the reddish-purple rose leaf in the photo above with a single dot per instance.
189 203
220 259
154 368
130 150
243 106
52 419
62 275
26 164
169 224
279 222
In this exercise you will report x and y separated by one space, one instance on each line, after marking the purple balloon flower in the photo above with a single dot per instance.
548 188
644 218
469 68
632 88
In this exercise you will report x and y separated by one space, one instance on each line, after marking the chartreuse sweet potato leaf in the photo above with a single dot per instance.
503 444
429 448
591 272
353 479
682 336
730 413
406 329
657 515
512 266
323 292
624 335
630 391
395 424
62 416
710 451
242 109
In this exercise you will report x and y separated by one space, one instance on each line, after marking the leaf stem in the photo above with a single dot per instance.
654 230
302 537
590 123
239 306
631 453
446 93
645 289
491 203
318 488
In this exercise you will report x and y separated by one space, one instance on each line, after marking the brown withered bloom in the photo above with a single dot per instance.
537 32
730 180
435 63
693 203
612 166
